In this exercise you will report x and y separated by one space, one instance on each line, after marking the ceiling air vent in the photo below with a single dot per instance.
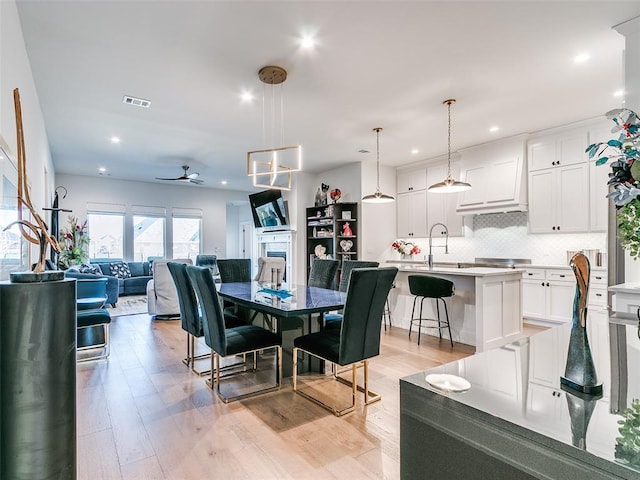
138 102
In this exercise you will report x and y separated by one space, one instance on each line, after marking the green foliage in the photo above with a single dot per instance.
628 217
628 444
73 244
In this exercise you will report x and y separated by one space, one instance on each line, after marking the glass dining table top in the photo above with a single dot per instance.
286 301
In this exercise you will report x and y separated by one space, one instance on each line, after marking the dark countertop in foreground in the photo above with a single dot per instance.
515 421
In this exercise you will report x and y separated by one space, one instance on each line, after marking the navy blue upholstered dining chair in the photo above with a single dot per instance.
358 338
332 320
323 273
225 342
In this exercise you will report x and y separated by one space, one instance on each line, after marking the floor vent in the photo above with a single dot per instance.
138 102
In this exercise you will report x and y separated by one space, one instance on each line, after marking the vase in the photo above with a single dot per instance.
580 372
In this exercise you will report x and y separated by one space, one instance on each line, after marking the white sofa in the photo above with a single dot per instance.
162 296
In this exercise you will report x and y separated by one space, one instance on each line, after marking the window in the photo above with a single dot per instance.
148 237
106 233
186 237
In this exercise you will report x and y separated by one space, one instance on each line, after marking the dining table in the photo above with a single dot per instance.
289 308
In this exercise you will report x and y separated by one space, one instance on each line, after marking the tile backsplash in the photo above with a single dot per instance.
505 235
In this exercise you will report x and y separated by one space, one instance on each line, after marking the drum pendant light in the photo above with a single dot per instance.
449 184
378 196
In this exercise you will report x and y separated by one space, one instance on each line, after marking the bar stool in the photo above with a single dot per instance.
424 286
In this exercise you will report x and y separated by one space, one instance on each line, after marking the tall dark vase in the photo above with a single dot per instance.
580 371
38 380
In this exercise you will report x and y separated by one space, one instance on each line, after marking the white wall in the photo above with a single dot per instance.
15 72
212 202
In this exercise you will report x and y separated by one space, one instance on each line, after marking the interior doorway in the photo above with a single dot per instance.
245 237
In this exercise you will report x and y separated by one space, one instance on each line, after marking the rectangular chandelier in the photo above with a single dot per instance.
272 167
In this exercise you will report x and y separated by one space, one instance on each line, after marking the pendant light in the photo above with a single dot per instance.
378 196
449 184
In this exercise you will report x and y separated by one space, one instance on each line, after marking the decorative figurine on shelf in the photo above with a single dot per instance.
346 230
580 372
335 195
321 195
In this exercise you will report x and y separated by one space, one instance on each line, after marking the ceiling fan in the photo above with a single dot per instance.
191 177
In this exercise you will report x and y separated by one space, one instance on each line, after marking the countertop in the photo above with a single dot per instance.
508 394
630 287
453 270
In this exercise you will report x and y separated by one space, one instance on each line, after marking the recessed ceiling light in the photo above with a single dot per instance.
223 182
414 151
247 96
618 93
581 57
494 129
115 139
102 169
307 42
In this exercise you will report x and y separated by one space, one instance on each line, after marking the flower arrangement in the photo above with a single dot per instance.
73 243
624 176
405 248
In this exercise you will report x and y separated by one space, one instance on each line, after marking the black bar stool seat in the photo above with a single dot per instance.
422 287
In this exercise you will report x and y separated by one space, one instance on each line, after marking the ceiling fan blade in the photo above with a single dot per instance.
196 181
193 176
158 178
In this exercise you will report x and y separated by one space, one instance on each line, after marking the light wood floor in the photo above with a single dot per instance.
143 415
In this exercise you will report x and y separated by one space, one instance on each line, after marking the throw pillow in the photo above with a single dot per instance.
120 269
84 268
151 268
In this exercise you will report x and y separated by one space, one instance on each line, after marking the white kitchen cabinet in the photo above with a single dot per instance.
496 174
441 207
412 214
559 199
411 180
558 149
599 178
548 294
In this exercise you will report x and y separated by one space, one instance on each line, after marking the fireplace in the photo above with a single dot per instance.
275 244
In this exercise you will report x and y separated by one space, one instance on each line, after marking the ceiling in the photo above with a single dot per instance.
382 63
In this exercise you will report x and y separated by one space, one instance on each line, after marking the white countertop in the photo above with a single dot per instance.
631 287
468 272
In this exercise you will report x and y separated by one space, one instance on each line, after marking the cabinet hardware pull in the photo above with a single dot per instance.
547 284
562 276
529 273
558 227
543 284
598 294
553 228
598 278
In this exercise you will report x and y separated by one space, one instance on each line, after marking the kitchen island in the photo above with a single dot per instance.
485 311
516 421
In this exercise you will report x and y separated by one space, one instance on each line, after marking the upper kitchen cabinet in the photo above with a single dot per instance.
559 184
558 150
412 214
497 176
441 207
599 178
411 180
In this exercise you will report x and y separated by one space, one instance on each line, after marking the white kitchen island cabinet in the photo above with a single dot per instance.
485 311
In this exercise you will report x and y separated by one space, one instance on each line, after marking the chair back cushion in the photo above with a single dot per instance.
189 315
270 269
91 293
362 318
235 270
323 273
162 293
347 266
430 287
212 317
209 261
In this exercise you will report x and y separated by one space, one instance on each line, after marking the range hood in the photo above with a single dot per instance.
497 173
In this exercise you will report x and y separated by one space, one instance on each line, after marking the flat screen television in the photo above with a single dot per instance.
269 210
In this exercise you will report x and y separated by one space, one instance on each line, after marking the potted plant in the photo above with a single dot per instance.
624 154
74 242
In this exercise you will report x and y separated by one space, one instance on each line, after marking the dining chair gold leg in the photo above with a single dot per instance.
295 367
354 384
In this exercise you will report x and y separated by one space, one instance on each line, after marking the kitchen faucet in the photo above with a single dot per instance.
446 243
